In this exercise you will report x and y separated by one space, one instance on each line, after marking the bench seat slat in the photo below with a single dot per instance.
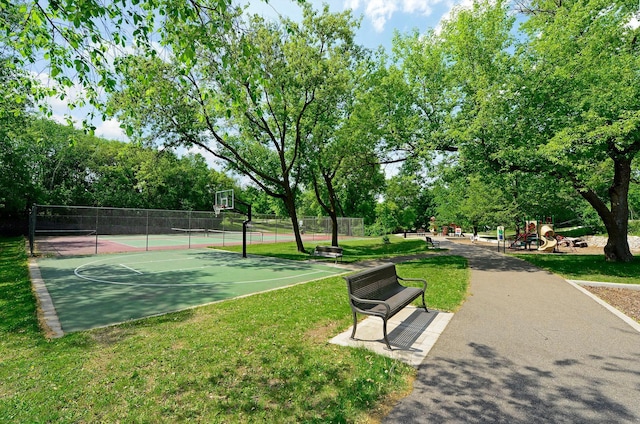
396 302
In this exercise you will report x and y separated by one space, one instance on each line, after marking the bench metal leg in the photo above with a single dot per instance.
384 329
355 325
424 304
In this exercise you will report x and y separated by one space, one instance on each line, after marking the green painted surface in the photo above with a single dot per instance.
94 291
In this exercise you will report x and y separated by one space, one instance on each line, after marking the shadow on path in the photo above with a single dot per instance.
526 347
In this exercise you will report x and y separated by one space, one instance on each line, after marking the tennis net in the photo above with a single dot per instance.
251 235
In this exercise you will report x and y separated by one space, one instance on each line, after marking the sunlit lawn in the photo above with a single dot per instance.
587 267
262 358
355 250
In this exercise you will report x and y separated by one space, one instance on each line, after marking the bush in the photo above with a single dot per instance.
634 228
374 230
575 231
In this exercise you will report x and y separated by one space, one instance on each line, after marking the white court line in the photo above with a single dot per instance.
119 283
79 274
131 269
272 261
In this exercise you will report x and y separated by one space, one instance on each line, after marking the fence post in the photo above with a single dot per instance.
189 225
147 230
32 228
97 213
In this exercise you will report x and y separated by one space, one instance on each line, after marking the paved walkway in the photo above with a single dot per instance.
526 347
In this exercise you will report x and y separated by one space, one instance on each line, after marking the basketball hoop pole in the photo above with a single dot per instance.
244 226
244 231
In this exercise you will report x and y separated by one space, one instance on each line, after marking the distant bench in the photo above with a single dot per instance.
432 243
378 292
334 252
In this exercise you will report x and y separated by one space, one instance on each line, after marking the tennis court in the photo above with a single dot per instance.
91 243
82 230
94 291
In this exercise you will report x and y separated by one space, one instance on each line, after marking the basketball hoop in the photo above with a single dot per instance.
217 209
224 199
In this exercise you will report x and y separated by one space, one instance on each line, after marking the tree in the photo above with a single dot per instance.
410 192
337 151
387 214
78 41
16 146
583 59
560 100
254 111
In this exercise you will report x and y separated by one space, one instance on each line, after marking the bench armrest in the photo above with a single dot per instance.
424 282
371 302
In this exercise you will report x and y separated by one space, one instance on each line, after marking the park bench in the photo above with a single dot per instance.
432 243
377 292
334 252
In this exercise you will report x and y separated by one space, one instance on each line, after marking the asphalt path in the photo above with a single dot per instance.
526 347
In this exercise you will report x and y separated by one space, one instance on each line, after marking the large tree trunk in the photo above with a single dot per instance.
334 229
290 204
615 219
331 209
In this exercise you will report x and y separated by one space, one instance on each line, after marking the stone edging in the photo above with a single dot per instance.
601 241
47 315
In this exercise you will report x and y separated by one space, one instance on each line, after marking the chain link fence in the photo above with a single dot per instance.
83 229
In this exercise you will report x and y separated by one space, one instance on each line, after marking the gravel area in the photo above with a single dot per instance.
626 301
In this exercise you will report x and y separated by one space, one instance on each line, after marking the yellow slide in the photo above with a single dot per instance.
549 242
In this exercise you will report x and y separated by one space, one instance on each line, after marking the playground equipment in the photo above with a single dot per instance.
547 237
539 234
529 237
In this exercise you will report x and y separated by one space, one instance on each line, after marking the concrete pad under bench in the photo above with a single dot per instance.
412 333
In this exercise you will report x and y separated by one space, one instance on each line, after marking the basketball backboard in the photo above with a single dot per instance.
224 200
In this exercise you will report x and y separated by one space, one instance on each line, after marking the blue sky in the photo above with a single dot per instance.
380 18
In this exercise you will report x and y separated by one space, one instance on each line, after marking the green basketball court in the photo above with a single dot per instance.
95 291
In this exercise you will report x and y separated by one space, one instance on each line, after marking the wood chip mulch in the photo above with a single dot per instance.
625 300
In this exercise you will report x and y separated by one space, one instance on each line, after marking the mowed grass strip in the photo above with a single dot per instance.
355 250
263 358
587 267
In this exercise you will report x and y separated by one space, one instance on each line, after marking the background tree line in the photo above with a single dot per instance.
50 163
501 113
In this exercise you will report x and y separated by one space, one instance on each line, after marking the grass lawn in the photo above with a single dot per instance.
587 267
262 358
353 250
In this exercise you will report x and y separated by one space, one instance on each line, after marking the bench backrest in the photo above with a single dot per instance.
375 283
330 249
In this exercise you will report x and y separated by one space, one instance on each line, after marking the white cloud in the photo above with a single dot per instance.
464 4
61 111
412 6
381 11
110 129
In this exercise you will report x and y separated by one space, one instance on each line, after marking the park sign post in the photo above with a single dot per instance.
501 238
